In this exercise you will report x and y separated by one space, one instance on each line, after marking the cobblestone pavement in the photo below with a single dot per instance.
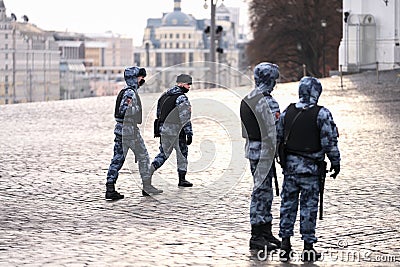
54 158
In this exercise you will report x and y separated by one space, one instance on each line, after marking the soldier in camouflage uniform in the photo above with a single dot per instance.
173 113
313 134
128 114
260 133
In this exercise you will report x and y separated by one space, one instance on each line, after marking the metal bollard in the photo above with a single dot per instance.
341 76
377 71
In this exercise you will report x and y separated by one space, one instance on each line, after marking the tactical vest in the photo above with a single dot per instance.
168 110
304 135
120 117
250 126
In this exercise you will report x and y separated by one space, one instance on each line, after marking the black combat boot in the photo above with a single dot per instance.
309 253
149 189
286 249
182 181
258 241
111 193
267 232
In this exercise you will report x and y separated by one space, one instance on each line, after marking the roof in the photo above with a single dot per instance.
29 28
222 9
177 18
95 44
153 22
69 43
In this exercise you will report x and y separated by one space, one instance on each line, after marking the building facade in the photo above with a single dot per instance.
92 64
29 62
370 35
106 57
74 81
178 42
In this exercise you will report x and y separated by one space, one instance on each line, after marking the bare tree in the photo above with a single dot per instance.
290 33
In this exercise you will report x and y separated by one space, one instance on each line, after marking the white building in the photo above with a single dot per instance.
178 42
370 35
92 64
29 62
74 81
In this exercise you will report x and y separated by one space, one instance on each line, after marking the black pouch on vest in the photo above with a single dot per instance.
281 155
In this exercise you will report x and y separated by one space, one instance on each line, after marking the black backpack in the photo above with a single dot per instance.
118 115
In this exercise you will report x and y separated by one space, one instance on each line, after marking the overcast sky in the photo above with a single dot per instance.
127 17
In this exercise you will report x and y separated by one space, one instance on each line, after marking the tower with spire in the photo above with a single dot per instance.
2 11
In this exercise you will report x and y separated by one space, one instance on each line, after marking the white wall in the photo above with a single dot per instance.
387 19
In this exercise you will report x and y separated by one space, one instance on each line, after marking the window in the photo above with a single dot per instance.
177 45
190 59
177 36
174 58
136 58
159 60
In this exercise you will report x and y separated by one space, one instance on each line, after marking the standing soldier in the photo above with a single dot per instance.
307 132
259 113
174 127
128 114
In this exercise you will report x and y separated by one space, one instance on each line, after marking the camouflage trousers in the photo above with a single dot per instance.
262 195
307 187
167 145
121 148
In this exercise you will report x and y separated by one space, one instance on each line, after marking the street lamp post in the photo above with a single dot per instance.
323 25
13 62
212 39
212 32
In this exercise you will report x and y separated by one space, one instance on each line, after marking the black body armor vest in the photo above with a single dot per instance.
168 109
120 117
304 132
250 127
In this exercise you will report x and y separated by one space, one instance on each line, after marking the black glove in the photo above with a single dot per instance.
142 81
188 139
335 169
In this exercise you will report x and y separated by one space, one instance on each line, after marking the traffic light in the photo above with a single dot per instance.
219 29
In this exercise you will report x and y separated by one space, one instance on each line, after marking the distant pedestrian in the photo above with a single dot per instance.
174 127
259 113
308 133
128 114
